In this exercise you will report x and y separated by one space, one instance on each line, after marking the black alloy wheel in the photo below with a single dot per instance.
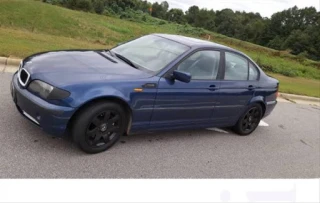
250 120
103 128
99 126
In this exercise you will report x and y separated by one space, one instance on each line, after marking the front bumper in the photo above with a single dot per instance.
51 118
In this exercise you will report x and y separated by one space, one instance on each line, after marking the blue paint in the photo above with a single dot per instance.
163 104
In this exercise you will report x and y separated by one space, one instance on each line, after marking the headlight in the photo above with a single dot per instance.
47 91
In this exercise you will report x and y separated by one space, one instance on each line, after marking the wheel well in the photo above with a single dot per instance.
101 99
263 106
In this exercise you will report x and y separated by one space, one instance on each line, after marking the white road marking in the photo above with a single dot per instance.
218 130
262 123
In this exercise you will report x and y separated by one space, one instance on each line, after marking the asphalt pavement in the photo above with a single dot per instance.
285 146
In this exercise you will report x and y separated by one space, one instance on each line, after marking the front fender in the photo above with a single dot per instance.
83 96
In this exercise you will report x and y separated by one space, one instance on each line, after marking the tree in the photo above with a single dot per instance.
98 6
228 23
276 43
297 42
72 4
160 10
143 6
192 14
205 19
165 7
156 10
176 15
84 5
295 29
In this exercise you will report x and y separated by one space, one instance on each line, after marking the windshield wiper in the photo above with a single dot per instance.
108 50
106 56
126 60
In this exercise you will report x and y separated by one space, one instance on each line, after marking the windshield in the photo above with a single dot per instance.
151 52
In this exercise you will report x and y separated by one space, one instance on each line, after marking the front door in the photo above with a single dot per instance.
179 104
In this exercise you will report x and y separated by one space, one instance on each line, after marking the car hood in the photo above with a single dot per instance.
63 68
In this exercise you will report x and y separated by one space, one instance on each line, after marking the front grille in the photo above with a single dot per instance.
23 77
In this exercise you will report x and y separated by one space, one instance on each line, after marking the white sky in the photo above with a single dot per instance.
265 7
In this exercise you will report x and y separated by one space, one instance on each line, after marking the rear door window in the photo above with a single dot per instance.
236 67
253 72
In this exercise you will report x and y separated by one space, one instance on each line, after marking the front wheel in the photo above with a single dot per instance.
249 121
99 126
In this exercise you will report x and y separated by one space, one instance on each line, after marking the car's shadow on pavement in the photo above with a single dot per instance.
22 133
19 132
175 135
44 141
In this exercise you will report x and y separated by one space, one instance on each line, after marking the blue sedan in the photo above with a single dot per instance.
155 82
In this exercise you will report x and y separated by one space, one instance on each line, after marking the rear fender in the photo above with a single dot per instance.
260 100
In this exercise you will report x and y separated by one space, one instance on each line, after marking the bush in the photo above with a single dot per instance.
302 56
109 12
188 30
289 72
144 18
53 2
125 15
139 16
84 5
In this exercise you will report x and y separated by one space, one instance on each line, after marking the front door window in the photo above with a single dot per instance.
202 65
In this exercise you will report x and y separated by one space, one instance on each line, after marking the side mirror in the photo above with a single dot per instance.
181 76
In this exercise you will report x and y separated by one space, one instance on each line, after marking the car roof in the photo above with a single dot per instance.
193 42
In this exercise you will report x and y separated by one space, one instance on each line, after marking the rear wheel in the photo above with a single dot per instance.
249 121
99 126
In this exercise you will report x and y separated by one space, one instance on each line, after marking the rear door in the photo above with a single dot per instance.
240 79
179 104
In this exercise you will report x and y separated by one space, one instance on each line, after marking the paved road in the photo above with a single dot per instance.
287 148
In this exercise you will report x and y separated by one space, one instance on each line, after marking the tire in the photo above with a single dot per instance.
99 126
249 121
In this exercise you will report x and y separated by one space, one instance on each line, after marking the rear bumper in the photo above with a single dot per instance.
269 107
51 118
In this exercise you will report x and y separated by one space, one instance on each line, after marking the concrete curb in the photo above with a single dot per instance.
13 62
3 60
299 97
8 64
2 64
7 61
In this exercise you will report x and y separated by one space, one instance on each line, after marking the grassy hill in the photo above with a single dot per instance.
30 26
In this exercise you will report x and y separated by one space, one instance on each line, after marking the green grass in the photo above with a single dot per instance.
301 86
19 43
28 27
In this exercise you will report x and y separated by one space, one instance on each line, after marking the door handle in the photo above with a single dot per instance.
251 87
213 88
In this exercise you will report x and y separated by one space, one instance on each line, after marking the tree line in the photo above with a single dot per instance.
294 29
